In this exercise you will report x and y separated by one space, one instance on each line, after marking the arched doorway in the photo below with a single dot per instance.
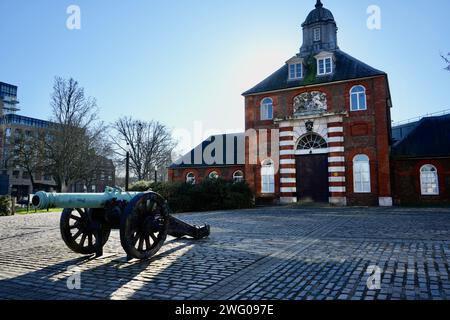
312 168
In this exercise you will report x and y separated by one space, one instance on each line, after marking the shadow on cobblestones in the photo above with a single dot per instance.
103 281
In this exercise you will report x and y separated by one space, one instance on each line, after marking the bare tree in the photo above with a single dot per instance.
447 61
28 154
149 143
75 138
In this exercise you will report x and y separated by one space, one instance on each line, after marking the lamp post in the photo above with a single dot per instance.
156 174
127 171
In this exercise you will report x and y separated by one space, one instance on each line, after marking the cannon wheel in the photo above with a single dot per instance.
144 226
79 232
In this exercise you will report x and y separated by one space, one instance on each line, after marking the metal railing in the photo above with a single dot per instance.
434 114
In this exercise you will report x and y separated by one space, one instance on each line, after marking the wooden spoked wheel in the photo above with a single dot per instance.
80 232
144 226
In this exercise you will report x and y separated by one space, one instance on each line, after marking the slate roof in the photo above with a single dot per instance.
429 138
232 147
346 68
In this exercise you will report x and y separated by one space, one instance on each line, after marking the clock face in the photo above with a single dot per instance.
310 102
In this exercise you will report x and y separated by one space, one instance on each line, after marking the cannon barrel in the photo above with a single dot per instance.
43 200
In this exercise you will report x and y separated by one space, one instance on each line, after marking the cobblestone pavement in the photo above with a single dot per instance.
270 253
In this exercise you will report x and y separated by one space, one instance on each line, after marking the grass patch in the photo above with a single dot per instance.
32 211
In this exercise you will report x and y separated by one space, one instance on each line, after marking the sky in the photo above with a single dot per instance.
186 63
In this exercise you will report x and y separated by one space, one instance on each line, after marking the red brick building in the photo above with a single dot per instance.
333 116
421 162
218 156
319 129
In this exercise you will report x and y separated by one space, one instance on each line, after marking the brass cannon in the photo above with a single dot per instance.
142 218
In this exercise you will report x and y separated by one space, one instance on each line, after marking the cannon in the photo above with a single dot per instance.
143 219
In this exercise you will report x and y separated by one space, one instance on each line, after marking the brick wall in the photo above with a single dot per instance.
179 175
406 181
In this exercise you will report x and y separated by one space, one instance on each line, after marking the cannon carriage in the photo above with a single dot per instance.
143 219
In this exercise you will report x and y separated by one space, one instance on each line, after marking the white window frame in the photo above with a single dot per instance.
265 114
190 178
268 177
317 34
324 61
423 188
358 94
297 73
213 175
359 168
238 176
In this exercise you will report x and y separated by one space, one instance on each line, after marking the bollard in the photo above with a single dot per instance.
13 206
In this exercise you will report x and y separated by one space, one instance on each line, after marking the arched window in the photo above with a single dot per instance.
361 174
268 177
312 141
358 98
238 176
266 109
429 180
190 178
213 175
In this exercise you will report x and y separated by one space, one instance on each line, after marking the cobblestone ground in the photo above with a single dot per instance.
271 253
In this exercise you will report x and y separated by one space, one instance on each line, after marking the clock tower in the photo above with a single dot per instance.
328 118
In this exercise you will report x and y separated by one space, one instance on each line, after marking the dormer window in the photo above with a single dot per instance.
324 63
295 71
316 36
324 66
295 65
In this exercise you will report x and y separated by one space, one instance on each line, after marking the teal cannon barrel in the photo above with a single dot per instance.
43 200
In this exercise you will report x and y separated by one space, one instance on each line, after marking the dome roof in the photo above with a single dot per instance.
319 14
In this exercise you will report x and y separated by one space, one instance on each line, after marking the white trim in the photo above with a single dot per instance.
191 180
288 171
286 143
295 59
317 35
336 169
268 171
287 200
360 184
284 125
337 149
288 190
436 172
338 189
336 159
357 94
324 56
335 129
295 65
286 134
288 180
287 152
264 114
336 179
312 151
287 161
335 139
239 177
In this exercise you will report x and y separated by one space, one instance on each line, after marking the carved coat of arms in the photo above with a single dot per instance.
310 102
